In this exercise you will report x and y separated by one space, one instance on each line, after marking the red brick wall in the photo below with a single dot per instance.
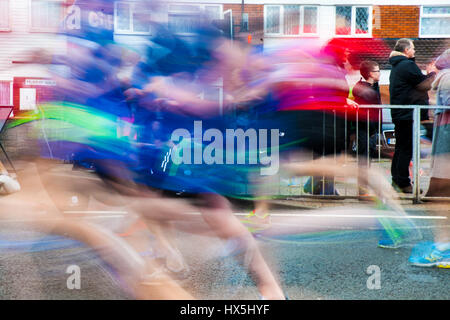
396 21
255 19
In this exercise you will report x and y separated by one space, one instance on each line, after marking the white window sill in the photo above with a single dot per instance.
353 35
36 30
132 33
435 36
306 35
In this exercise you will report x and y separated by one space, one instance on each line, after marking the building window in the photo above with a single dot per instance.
46 15
131 18
245 26
4 15
183 18
353 21
435 21
290 20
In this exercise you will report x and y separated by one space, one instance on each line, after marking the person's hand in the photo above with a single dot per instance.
432 68
352 104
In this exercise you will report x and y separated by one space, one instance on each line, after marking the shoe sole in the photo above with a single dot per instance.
444 265
439 264
391 246
403 244
423 265
255 227
254 230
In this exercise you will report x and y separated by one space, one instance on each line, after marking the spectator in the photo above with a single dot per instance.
408 86
367 92
440 170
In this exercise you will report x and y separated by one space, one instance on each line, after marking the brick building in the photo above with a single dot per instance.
373 25
426 22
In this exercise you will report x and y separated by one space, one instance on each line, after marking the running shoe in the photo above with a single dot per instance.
407 238
390 244
427 254
255 223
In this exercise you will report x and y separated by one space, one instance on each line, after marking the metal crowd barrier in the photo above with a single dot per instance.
385 139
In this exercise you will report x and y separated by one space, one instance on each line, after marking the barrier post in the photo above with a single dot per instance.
416 154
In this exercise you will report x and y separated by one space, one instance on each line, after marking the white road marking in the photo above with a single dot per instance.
349 216
53 219
116 214
97 212
320 215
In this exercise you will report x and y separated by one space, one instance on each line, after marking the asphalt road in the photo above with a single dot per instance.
326 265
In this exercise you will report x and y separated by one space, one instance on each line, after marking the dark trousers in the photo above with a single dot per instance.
364 140
363 151
403 153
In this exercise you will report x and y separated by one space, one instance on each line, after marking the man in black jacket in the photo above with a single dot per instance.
408 86
367 92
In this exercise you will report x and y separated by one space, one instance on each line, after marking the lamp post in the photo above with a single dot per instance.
242 15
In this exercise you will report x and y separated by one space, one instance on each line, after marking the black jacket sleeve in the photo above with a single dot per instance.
412 74
416 78
366 94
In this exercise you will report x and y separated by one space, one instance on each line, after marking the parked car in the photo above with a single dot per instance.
387 138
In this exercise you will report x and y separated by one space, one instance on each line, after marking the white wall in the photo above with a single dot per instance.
326 29
326 22
15 44
384 77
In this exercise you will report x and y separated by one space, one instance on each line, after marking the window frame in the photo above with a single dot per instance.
201 6
8 25
129 31
281 34
353 33
31 28
422 15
